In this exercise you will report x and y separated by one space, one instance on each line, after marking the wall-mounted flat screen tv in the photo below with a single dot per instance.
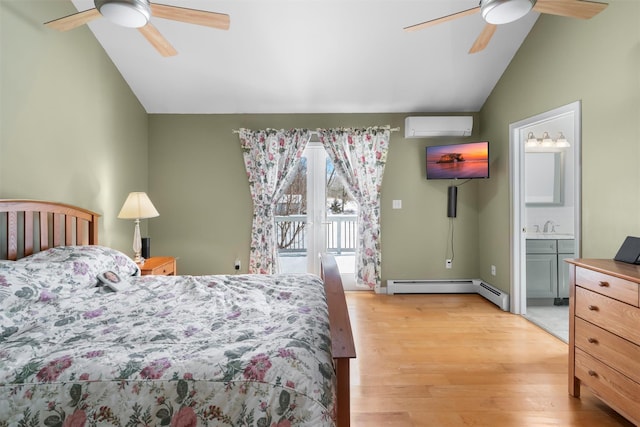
468 160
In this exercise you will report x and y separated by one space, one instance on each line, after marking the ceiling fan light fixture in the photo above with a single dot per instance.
126 13
504 11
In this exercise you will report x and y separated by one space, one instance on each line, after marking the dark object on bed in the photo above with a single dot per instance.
32 227
629 252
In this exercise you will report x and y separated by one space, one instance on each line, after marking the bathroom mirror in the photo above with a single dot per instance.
544 179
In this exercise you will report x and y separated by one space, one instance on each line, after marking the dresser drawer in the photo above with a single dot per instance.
619 353
620 289
614 316
615 389
159 265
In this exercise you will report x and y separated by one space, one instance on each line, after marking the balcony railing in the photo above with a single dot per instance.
341 233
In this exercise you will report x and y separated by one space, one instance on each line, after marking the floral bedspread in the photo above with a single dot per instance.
239 350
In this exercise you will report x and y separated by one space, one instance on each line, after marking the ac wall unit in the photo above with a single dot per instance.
432 126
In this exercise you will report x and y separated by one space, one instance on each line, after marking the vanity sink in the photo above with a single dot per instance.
549 236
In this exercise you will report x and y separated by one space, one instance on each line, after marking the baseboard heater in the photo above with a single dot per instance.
496 296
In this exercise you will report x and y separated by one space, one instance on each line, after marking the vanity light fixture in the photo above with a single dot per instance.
546 142
562 141
532 141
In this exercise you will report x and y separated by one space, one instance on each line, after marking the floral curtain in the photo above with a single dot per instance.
359 157
270 157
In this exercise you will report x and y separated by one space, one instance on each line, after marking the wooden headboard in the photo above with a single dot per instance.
28 226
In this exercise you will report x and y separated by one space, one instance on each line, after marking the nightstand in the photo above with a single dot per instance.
159 266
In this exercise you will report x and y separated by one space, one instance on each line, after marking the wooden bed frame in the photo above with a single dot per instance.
29 226
342 347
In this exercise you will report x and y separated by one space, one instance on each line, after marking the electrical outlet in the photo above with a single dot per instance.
237 264
493 270
448 263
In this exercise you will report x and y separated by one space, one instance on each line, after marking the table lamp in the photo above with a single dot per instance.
137 206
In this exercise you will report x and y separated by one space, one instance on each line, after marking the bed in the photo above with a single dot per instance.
237 350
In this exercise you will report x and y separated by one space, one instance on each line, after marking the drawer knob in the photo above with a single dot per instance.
604 284
593 373
593 307
592 340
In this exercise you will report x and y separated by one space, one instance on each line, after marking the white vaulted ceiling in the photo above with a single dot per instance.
314 56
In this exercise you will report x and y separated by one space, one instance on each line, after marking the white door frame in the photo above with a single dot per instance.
517 137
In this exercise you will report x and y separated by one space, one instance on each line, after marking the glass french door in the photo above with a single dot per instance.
316 202
314 215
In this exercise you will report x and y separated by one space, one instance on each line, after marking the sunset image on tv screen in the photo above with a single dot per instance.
458 161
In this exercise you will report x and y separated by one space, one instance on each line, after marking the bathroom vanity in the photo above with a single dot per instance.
547 273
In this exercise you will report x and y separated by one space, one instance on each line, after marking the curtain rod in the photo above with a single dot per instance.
315 132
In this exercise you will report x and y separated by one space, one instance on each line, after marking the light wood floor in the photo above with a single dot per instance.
458 360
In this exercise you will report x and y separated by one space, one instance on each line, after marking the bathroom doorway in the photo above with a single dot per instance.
545 214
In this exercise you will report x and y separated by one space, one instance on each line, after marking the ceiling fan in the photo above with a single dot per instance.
136 14
496 12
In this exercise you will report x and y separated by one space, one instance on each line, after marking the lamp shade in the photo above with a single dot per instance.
138 206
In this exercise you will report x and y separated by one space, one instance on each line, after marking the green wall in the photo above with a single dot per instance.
65 112
199 185
564 60
71 130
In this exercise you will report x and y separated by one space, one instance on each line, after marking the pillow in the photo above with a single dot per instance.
78 265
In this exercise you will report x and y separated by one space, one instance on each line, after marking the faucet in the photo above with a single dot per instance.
548 224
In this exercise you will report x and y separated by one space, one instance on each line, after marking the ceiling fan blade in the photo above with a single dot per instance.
483 39
73 21
582 9
158 41
443 19
191 16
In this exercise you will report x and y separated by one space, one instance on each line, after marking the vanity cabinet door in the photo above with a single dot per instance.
566 250
563 275
542 275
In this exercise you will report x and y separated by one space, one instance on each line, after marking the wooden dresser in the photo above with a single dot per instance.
604 333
